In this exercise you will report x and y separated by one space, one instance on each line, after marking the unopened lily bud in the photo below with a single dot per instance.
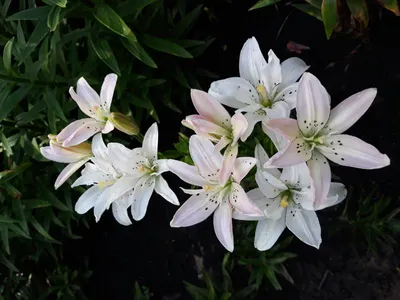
124 123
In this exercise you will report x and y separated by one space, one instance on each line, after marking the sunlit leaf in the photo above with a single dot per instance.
329 16
5 145
7 55
263 3
105 53
60 3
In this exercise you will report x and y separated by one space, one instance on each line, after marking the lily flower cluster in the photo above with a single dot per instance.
290 186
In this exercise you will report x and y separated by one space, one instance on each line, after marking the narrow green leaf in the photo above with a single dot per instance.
32 114
131 7
48 196
270 273
165 46
5 7
189 43
105 53
9 103
180 77
53 18
38 34
315 3
137 50
7 55
8 263
309 9
391 5
53 103
5 145
110 19
263 3
329 16
4 239
187 22
42 231
37 13
8 174
18 231
59 3
36 203
5 219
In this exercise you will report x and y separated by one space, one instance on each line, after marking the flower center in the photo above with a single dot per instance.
99 113
264 99
104 184
284 201
314 141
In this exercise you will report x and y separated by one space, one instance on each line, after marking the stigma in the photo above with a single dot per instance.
284 201
263 95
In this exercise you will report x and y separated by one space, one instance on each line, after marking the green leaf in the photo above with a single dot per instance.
329 16
165 46
53 104
38 34
187 22
8 263
51 198
8 174
131 7
137 50
391 5
110 19
105 53
9 103
37 13
263 3
42 231
59 3
315 3
270 273
309 9
7 55
53 18
36 203
5 219
5 145
180 77
4 239
32 114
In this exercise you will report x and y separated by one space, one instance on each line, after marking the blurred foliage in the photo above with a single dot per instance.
338 15
141 293
45 47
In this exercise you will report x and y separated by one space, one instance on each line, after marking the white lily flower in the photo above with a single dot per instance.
214 123
287 200
212 196
96 107
110 183
317 134
263 90
75 157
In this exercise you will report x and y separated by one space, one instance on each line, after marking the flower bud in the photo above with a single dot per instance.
124 123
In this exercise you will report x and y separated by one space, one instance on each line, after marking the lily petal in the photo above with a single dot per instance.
150 142
141 194
204 157
195 210
239 126
80 132
347 150
91 177
284 126
296 152
87 93
228 163
99 149
271 75
223 225
273 209
297 176
262 157
87 106
265 186
241 202
304 224
162 188
313 105
125 160
251 62
305 198
202 124
337 193
121 214
68 171
118 189
210 108
107 91
60 154
234 92
108 127
278 110
288 95
242 166
252 119
186 172
267 233
320 172
291 69
349 111
87 200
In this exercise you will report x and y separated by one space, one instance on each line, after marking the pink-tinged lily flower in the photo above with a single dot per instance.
96 107
214 123
212 197
264 89
287 200
318 134
74 156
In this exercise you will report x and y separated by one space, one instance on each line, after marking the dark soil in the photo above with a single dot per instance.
161 257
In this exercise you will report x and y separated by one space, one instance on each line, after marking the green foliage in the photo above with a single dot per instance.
141 293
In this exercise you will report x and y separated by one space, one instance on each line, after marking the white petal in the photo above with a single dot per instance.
234 92
86 106
81 134
296 176
349 111
239 126
87 200
100 207
125 160
304 224
251 62
192 191
223 224
242 166
271 75
99 149
204 157
265 186
262 158
203 125
108 127
305 198
161 166
337 193
121 214
258 198
107 91
68 171
285 126
150 142
267 233
291 69
92 177
296 152
105 166
162 188
86 92
71 128
141 194
210 108
279 141
187 173
59 154
313 105
320 172
278 110
275 182
119 188
241 202
347 150
288 95
252 119
228 163
222 143
195 210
